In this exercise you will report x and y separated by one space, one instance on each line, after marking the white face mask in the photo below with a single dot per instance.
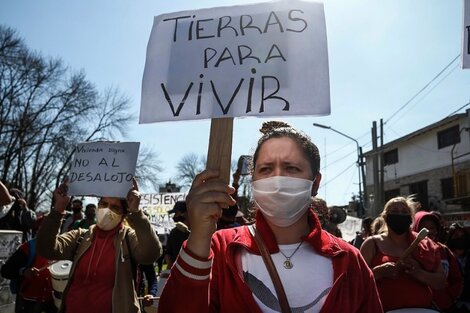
282 199
107 219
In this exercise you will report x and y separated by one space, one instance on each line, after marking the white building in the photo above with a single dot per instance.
432 162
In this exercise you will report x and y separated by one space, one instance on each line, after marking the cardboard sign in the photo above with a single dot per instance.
466 35
266 59
349 227
157 205
103 169
462 217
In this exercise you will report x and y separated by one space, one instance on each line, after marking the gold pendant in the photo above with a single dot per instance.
288 264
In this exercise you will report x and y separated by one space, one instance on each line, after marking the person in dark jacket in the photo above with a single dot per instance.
178 234
30 273
16 215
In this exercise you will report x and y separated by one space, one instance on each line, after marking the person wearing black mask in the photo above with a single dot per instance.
414 276
178 234
458 241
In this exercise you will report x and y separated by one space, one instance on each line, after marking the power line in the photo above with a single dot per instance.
345 156
341 158
348 186
427 93
341 173
422 89
467 104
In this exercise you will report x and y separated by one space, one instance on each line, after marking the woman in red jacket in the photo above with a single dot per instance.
223 271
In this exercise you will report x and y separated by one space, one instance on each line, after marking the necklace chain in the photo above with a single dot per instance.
288 263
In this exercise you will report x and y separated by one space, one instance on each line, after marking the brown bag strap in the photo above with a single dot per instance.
268 261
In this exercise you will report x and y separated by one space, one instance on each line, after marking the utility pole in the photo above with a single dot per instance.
365 198
359 166
382 166
375 170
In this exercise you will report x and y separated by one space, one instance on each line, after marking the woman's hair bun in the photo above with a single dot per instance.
270 126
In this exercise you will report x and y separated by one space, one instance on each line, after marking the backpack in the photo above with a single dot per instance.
16 283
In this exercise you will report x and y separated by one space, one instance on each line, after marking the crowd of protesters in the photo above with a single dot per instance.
105 246
289 258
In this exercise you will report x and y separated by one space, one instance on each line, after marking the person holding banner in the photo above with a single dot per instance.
414 275
285 262
105 257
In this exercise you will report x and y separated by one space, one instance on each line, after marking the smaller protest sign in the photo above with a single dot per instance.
103 169
157 206
350 227
466 35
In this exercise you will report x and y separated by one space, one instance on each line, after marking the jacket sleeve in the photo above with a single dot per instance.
151 277
455 277
17 261
146 248
190 274
53 246
28 218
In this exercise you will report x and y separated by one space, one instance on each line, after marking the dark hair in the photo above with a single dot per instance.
17 193
367 223
125 206
454 227
278 129
77 201
231 211
90 205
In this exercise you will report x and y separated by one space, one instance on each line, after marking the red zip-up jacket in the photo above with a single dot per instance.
216 284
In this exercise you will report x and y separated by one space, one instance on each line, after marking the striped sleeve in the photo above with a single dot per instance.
192 266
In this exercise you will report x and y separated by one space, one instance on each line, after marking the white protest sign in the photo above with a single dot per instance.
466 35
349 227
157 205
265 59
103 169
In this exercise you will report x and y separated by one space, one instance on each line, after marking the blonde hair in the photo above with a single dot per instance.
377 226
409 202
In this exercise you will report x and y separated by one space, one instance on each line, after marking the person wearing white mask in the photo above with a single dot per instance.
302 268
105 256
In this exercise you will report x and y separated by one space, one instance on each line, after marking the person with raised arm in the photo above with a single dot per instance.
284 262
105 256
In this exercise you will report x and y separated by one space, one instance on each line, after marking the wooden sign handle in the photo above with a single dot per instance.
220 147
421 235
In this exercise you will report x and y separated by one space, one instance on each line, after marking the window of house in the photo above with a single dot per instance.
392 193
420 189
391 157
447 188
448 137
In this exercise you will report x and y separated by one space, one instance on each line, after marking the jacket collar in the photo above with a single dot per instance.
319 239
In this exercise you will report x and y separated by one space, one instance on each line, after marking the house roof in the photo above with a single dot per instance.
446 121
